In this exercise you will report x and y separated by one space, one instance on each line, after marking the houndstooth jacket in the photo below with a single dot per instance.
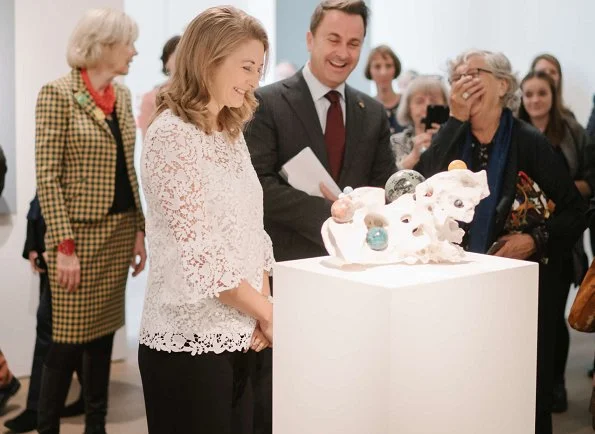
75 154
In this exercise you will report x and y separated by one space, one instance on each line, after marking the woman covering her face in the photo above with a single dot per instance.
483 132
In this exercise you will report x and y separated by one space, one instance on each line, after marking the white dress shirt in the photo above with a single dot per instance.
318 91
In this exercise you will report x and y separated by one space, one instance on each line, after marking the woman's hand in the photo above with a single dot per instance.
422 141
463 94
517 246
259 340
267 329
139 254
32 260
68 271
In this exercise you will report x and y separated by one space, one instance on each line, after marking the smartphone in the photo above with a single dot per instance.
436 114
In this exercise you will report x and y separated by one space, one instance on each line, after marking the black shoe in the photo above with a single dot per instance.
8 392
24 422
559 399
75 409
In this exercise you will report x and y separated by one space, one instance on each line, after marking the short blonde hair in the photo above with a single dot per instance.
500 67
207 41
420 84
95 30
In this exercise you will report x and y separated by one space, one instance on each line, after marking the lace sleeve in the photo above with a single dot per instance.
269 259
181 184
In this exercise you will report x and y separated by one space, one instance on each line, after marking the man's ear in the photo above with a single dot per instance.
309 41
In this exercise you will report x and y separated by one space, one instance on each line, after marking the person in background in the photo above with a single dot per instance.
91 206
550 65
383 66
207 302
484 134
9 384
540 107
34 252
409 144
284 70
405 78
148 105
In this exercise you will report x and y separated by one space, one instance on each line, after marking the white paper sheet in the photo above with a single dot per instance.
305 172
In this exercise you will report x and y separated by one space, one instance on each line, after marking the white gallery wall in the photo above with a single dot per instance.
158 20
424 33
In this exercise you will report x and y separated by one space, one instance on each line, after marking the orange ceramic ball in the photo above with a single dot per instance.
457 164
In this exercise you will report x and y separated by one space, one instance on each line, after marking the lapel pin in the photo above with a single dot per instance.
81 97
361 104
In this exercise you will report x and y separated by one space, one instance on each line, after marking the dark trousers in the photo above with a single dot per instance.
43 340
263 388
61 361
549 281
263 392
196 394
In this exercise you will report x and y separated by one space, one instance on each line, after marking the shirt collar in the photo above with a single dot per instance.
317 89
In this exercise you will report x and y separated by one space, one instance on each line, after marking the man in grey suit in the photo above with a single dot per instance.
293 115
347 130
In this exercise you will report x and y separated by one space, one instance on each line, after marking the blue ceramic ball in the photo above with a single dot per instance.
402 182
377 238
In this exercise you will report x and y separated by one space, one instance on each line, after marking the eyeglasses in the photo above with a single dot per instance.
473 72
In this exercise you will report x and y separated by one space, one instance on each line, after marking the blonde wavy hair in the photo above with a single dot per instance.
207 41
97 29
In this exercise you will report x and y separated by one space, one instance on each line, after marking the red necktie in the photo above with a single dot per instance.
334 135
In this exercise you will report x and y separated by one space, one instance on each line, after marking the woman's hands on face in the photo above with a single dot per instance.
463 94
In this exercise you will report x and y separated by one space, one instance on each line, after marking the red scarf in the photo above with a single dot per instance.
106 101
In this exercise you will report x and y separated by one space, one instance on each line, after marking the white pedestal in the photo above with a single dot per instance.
422 349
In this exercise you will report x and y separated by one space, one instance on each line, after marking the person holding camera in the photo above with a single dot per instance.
422 92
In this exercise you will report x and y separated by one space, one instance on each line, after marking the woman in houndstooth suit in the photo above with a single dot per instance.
88 191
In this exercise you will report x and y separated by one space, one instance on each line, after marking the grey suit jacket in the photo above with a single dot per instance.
285 123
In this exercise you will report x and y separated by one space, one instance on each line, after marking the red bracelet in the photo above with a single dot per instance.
66 247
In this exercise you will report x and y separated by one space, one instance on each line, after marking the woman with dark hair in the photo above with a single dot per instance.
483 132
383 67
148 105
550 65
540 106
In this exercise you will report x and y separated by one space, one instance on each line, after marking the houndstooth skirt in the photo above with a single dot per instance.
96 309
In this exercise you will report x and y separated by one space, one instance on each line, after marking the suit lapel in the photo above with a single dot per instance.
298 96
85 101
355 109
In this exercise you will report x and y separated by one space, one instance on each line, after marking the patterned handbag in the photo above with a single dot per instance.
531 207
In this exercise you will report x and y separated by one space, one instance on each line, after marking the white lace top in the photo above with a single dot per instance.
204 226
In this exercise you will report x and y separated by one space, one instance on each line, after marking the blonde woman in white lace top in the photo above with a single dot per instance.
207 302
